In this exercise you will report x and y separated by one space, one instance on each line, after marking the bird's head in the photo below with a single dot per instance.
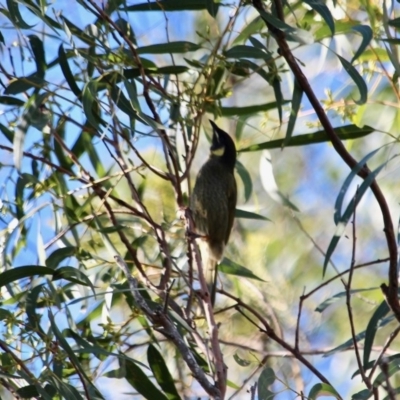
222 147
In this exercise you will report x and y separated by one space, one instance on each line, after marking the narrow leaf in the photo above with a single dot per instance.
372 327
230 267
67 72
161 373
348 213
296 102
246 179
322 10
345 133
343 190
172 47
249 215
171 5
321 390
358 80
17 273
139 380
367 35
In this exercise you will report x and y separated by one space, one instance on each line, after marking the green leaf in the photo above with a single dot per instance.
231 268
254 27
242 51
55 258
246 179
292 34
348 132
23 84
367 35
326 303
321 390
372 327
63 343
296 102
341 26
245 64
249 215
161 373
30 307
241 361
72 274
322 10
392 368
343 190
266 379
67 72
394 22
172 47
7 133
27 271
11 101
15 15
362 395
139 380
38 55
89 102
348 213
358 80
172 5
360 336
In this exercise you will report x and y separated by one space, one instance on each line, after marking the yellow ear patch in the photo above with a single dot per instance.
218 152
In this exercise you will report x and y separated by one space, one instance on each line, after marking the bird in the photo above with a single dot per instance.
213 203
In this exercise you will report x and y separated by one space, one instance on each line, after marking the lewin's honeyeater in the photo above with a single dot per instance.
213 202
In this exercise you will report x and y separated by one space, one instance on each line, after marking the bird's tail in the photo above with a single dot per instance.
214 254
210 275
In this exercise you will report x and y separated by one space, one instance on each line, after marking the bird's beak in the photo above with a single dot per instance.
216 141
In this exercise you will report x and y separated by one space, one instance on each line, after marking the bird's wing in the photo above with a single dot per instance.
232 198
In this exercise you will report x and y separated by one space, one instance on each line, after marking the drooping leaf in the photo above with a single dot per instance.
266 379
161 373
323 10
358 80
140 381
343 190
242 51
371 330
67 72
349 212
246 179
27 271
15 15
296 102
367 35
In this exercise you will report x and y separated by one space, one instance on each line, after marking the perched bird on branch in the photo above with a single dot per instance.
213 202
